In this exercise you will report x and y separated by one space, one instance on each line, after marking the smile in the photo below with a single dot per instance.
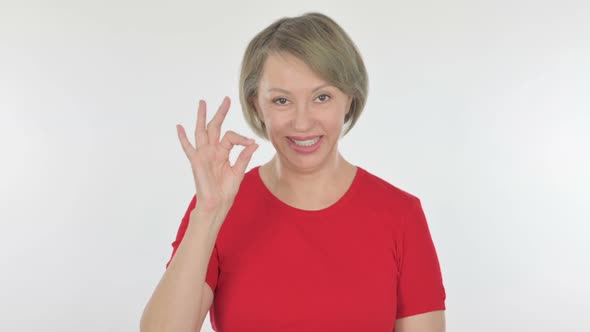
308 142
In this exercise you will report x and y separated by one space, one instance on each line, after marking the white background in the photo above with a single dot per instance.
479 108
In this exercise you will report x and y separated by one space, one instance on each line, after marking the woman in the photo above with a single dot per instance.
307 241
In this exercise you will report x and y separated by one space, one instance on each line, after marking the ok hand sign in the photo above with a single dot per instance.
216 181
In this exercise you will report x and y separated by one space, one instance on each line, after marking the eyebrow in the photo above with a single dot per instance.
285 91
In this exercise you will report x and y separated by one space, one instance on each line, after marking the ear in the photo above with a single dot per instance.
348 104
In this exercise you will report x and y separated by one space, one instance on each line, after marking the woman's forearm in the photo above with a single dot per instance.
176 301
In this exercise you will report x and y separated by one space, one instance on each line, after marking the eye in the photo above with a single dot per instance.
323 98
280 101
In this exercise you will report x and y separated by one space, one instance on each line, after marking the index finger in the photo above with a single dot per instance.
232 138
214 127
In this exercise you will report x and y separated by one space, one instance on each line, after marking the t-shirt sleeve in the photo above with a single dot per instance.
420 283
213 267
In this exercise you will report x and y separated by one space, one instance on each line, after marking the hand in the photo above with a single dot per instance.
216 181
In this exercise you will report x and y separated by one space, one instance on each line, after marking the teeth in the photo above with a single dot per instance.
308 142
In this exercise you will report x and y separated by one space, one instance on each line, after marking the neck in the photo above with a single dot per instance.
306 184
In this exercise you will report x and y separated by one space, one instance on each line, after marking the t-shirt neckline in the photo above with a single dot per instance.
348 194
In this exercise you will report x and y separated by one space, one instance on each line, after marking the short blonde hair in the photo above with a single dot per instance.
320 43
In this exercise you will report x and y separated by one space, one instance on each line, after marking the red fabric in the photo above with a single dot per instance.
357 265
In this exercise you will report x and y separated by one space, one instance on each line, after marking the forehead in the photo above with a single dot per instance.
288 72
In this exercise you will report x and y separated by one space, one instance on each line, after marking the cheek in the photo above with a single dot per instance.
333 117
275 122
335 125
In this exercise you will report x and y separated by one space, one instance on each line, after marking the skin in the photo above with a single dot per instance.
293 101
182 290
433 321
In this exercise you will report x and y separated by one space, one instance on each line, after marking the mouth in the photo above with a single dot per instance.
305 141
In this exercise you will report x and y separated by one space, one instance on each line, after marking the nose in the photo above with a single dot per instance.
303 120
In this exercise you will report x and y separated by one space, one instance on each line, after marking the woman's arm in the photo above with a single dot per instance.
176 303
433 321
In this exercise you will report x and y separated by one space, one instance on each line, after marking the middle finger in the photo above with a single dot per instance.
200 130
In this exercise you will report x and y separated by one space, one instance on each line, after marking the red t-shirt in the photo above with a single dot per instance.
357 265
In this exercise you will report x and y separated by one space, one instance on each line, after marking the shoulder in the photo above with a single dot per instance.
378 188
251 191
250 179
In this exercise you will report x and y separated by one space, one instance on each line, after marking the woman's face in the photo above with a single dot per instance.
303 114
